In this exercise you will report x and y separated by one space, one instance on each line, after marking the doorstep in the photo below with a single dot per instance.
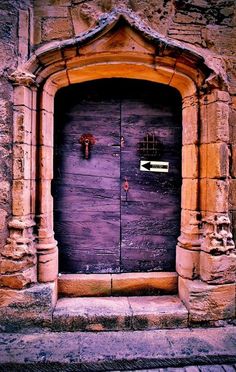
123 284
119 313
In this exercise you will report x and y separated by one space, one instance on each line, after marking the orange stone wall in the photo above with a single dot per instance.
36 62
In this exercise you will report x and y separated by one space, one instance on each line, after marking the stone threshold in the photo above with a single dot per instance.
117 351
119 313
123 284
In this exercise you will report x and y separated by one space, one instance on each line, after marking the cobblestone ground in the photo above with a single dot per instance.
205 368
197 368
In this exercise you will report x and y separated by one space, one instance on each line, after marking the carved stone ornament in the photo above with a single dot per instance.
217 237
21 77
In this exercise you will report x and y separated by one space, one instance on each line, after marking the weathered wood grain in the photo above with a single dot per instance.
97 229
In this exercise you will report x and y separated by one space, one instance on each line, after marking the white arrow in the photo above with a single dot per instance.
154 166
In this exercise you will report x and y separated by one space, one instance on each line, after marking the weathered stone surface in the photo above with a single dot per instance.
217 236
232 194
115 351
22 96
216 95
20 279
119 313
22 165
18 249
207 302
10 266
214 160
29 307
56 28
21 197
190 222
214 117
187 263
158 312
189 194
24 24
3 215
5 155
214 195
55 11
47 262
79 285
190 34
218 269
232 118
146 284
190 161
22 125
129 284
94 314
233 161
82 18
190 120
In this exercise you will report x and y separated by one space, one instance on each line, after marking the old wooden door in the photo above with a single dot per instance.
109 216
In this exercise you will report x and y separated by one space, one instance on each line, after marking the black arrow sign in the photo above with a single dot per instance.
147 165
155 166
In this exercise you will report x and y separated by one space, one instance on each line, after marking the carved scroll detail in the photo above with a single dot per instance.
217 237
21 77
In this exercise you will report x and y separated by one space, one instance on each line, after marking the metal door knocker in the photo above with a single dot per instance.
87 141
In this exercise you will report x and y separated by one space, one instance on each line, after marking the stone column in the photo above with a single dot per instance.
46 244
188 247
18 257
213 296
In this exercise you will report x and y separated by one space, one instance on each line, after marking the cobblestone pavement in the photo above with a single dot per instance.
204 368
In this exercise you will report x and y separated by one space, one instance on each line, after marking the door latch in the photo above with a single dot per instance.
126 188
87 140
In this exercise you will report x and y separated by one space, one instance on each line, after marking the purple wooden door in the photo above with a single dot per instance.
99 226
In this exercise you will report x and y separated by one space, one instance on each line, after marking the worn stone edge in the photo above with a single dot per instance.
126 364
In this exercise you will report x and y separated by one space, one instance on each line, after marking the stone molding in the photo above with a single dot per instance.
164 46
59 64
217 236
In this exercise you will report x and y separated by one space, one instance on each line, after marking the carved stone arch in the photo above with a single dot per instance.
122 46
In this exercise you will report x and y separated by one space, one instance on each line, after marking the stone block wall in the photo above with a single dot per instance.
205 262
14 50
206 25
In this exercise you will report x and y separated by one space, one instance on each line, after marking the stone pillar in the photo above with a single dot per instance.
18 257
213 296
217 263
46 244
188 247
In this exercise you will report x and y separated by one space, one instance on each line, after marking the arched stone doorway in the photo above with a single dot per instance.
124 49
100 227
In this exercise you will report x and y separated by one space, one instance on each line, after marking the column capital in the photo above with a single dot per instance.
217 236
22 77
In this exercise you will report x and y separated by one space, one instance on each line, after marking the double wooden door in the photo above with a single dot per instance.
110 216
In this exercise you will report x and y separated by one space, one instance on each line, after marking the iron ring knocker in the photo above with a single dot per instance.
87 140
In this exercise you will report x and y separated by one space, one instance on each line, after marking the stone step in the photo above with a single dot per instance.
119 313
123 284
119 351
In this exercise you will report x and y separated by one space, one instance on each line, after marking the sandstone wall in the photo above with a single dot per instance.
26 24
12 15
207 24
